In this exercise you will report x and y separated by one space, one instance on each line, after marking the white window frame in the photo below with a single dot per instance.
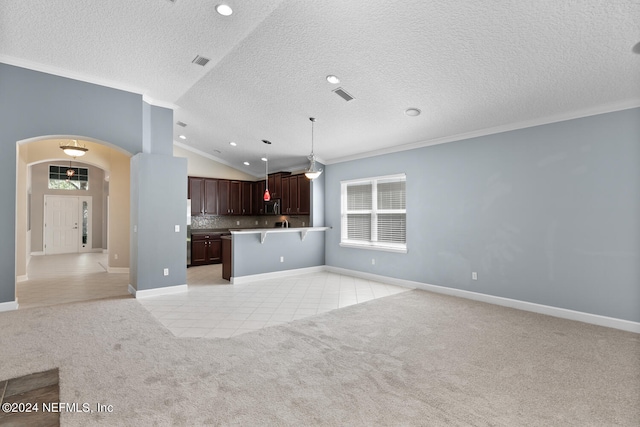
372 244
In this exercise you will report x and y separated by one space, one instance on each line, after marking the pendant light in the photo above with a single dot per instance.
70 171
312 173
266 196
74 148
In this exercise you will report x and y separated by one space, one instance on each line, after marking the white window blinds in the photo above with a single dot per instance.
374 213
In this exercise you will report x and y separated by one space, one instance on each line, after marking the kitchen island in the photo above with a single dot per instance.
259 253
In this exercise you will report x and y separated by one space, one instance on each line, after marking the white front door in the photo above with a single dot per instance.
61 225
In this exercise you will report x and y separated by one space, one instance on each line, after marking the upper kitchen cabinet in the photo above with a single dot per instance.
229 197
296 194
304 195
247 198
275 184
210 197
203 193
195 192
257 207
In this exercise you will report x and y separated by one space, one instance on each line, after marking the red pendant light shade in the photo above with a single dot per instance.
266 196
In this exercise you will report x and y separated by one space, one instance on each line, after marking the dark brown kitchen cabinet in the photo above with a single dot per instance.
247 198
295 195
224 187
229 197
226 258
235 198
203 193
258 193
195 192
273 190
275 184
285 199
205 249
304 195
210 197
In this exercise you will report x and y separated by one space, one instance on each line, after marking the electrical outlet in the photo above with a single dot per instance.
474 276
281 259
303 223
237 222
256 222
373 261
177 228
166 271
115 256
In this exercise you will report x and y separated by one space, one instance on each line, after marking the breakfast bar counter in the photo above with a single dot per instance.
258 252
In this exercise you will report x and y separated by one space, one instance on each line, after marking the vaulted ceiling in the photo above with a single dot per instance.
470 67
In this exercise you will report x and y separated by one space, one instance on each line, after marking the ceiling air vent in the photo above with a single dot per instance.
343 94
200 60
181 124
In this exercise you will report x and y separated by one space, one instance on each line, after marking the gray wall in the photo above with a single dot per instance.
158 204
35 104
252 257
40 188
317 199
548 215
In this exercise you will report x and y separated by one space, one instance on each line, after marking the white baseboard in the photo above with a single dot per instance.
117 269
157 291
594 319
22 278
276 274
39 253
8 306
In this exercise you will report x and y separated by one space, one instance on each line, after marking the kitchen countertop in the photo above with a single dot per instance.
209 230
264 231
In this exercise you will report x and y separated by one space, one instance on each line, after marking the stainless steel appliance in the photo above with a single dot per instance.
272 207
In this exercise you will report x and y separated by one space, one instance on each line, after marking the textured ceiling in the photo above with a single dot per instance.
471 66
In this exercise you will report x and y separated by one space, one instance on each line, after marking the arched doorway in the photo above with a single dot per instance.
72 276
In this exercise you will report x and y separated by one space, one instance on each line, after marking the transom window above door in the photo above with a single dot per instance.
68 178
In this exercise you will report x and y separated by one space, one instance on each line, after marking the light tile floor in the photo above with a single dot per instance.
222 311
59 279
212 307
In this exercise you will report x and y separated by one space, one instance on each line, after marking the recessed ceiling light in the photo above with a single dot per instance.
233 144
224 9
264 159
333 79
182 137
247 163
412 112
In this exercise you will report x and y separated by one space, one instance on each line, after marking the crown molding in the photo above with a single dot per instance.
577 114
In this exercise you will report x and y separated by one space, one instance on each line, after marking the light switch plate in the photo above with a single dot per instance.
177 228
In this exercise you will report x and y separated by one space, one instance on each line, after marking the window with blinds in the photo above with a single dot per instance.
374 213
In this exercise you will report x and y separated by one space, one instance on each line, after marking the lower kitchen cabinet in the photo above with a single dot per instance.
206 249
226 258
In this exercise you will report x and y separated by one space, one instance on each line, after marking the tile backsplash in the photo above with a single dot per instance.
263 221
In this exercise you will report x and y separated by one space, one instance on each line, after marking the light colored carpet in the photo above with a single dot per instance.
414 358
